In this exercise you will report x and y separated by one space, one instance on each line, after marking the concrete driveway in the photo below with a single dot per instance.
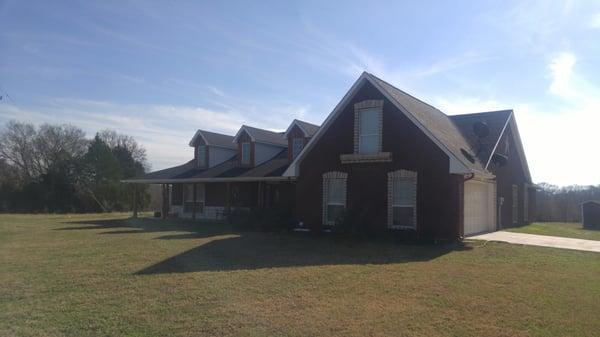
540 240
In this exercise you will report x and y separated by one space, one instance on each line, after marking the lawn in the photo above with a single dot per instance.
106 275
564 229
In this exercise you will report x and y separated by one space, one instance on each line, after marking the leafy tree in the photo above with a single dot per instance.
54 168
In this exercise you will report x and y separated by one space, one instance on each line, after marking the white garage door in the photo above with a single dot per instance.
480 207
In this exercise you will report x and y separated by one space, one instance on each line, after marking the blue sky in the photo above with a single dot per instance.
158 71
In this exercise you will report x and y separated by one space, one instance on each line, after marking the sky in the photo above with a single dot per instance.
160 70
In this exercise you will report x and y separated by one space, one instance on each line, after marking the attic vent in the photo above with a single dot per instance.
467 155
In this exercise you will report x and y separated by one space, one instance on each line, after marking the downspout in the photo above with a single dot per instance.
461 223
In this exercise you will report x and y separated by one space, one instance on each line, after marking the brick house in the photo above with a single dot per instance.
396 162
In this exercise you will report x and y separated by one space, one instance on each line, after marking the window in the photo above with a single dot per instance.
201 154
515 204
369 129
297 145
402 199
334 196
188 197
368 117
246 153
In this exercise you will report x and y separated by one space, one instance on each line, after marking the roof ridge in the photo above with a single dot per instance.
301 121
216 133
410 95
261 129
480 113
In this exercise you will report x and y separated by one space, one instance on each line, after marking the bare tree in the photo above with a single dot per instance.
114 140
17 147
54 143
33 151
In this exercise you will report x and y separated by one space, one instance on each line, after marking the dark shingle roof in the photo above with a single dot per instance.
495 120
228 169
266 136
170 172
309 128
214 139
433 120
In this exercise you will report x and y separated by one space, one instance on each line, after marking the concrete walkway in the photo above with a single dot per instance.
540 240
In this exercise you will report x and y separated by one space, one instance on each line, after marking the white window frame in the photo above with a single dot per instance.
202 162
327 177
401 175
515 204
294 140
362 135
248 151
359 108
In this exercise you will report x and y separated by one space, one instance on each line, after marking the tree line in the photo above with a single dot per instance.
55 168
563 203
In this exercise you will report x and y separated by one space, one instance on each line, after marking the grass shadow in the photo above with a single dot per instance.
195 229
248 251
243 250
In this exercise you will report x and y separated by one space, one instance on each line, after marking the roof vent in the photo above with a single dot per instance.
467 155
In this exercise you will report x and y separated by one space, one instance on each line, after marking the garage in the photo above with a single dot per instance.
479 207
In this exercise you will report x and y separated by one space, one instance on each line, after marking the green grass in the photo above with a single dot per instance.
105 275
563 229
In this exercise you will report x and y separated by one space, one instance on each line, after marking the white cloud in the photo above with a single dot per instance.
559 141
595 21
164 130
561 72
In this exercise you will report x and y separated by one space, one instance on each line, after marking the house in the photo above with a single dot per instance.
393 161
590 214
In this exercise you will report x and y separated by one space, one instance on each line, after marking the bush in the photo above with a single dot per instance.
353 222
263 219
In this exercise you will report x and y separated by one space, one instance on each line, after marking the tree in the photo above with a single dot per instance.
17 147
115 140
104 168
34 151
99 175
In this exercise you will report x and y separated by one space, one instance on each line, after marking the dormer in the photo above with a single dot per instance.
256 146
211 148
298 134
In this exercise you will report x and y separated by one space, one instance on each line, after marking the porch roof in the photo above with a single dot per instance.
230 170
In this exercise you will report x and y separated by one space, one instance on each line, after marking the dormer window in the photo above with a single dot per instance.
369 131
246 153
368 138
201 155
368 116
297 145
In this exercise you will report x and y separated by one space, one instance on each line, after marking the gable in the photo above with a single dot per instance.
445 136
295 132
483 147
243 137
509 146
403 145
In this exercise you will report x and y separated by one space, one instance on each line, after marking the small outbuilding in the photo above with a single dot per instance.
590 214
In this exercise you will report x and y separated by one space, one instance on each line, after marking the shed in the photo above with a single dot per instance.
590 214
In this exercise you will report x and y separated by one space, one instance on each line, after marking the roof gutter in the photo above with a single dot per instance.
206 180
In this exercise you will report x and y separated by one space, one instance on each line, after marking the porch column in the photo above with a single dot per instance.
135 201
228 198
195 196
259 201
165 201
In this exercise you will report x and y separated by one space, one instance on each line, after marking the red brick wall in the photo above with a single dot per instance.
438 192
